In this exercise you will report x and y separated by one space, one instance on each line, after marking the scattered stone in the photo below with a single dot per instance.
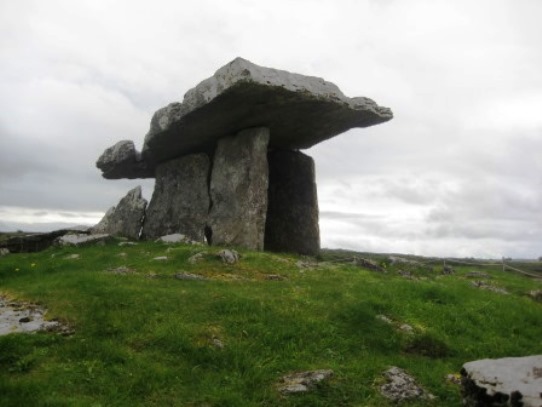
454 378
189 277
306 264
123 161
367 264
402 260
174 238
385 319
196 258
122 270
536 295
239 190
122 244
484 286
447 270
292 215
23 317
217 343
477 274
402 387
406 328
303 382
122 254
503 382
73 256
275 277
126 219
4 251
180 201
160 258
81 239
229 256
405 274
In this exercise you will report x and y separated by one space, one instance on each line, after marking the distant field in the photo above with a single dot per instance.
145 338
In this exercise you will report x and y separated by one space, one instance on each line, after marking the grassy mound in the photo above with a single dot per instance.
144 337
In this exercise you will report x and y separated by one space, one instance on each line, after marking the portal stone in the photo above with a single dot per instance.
180 201
239 182
126 219
292 215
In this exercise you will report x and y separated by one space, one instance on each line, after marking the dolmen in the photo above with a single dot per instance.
226 160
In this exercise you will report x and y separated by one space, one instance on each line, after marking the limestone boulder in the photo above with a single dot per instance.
123 161
126 219
238 190
299 110
503 382
180 201
292 215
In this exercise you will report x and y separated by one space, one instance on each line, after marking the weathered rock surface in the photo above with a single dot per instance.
180 201
292 215
402 387
23 317
78 239
34 242
503 382
303 382
4 252
300 111
228 256
126 219
239 183
123 161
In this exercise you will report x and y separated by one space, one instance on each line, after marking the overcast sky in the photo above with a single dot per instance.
457 172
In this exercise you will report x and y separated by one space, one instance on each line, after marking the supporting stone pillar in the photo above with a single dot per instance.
292 215
239 182
180 201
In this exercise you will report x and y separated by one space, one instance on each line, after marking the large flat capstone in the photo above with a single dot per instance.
299 110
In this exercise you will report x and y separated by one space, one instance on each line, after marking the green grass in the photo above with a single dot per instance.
146 339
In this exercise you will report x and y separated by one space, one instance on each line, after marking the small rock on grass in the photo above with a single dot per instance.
229 256
402 387
303 382
160 258
197 257
189 277
73 257
3 251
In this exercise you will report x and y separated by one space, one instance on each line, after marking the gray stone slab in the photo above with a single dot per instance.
125 219
239 182
503 382
292 215
122 160
180 201
299 110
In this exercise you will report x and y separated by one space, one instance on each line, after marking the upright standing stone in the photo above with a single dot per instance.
292 215
239 182
180 201
126 218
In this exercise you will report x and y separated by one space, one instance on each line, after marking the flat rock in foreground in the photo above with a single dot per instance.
503 382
